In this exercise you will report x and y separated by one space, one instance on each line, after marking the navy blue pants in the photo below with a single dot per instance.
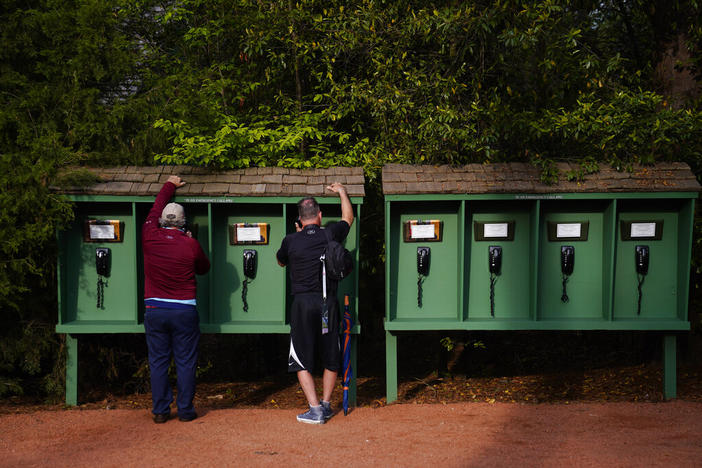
176 333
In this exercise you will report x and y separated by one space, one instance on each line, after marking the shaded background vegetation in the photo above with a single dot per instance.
314 84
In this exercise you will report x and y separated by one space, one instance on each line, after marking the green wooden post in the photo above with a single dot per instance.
669 367
390 366
71 370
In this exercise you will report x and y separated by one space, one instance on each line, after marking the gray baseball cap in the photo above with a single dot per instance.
173 215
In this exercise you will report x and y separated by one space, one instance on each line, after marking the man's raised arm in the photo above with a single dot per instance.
346 208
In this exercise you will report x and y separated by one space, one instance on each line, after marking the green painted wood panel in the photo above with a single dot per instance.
585 288
529 324
265 299
685 232
79 301
440 288
197 216
512 288
660 289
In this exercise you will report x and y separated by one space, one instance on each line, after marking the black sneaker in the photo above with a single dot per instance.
161 418
327 410
314 415
188 418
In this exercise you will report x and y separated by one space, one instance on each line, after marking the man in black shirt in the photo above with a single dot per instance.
301 252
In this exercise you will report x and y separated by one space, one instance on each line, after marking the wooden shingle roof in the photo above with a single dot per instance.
401 179
253 181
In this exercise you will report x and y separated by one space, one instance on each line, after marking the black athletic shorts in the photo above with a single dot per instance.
306 333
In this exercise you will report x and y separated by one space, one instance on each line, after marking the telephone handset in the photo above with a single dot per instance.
423 260
102 261
567 265
642 259
495 267
495 259
641 256
249 274
249 263
102 267
567 259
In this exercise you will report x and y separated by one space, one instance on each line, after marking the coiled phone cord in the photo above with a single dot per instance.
641 280
244 290
101 292
493 280
420 280
564 297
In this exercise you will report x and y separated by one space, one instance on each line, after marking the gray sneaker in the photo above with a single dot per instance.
327 410
315 415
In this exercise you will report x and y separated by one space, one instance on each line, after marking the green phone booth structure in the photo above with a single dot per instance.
231 213
489 247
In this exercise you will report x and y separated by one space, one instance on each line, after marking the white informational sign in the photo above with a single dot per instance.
102 231
422 231
568 230
248 234
495 230
643 230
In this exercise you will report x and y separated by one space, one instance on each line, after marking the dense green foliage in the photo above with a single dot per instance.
314 84
319 84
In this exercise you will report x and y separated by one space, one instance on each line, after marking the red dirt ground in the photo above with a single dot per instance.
452 435
607 417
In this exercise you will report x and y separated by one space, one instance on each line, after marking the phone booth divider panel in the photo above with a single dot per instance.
579 226
233 289
423 292
647 293
94 297
499 232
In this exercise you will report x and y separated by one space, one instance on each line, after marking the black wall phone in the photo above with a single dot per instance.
495 267
249 274
567 259
249 263
102 261
642 259
495 259
567 265
102 266
423 260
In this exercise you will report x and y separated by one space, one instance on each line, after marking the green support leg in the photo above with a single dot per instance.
390 367
669 367
71 370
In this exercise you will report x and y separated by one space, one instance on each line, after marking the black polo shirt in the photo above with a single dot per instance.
300 251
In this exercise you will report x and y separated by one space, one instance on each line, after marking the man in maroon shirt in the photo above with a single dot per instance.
172 258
